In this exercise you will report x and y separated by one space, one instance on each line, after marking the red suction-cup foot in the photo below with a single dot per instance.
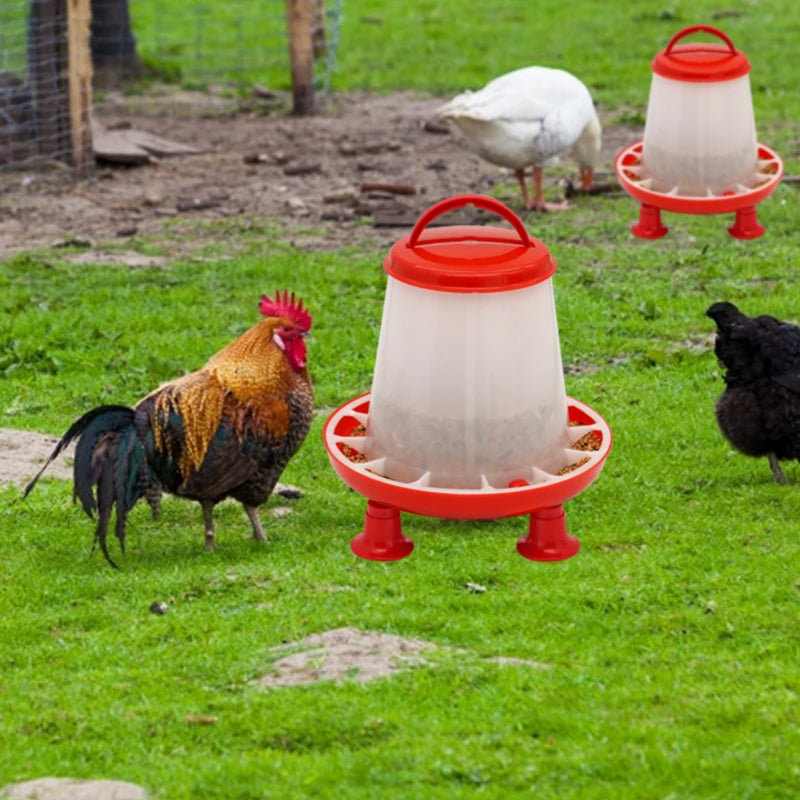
649 224
547 538
746 224
382 539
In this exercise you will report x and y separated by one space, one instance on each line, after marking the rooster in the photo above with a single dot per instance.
759 411
226 430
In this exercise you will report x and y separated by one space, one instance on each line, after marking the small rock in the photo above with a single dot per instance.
72 789
298 206
435 126
337 215
288 491
302 169
256 158
475 588
159 608
346 195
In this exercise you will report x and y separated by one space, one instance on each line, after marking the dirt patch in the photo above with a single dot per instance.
349 654
342 654
307 174
72 789
23 453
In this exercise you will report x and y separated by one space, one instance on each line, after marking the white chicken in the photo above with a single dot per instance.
528 117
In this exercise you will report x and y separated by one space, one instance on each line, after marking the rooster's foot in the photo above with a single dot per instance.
208 521
258 529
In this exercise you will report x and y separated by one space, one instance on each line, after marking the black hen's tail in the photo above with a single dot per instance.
108 456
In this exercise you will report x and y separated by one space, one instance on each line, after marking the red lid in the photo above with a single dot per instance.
703 62
469 258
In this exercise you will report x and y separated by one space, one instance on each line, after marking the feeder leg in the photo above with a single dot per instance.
547 538
649 224
746 224
382 538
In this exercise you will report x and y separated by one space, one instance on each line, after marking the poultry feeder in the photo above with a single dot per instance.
467 417
699 154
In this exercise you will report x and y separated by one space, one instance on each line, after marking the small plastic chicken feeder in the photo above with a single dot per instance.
699 154
468 416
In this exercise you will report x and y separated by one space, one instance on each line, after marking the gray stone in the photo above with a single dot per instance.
72 789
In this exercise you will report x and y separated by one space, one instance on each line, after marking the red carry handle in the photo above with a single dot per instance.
694 29
459 201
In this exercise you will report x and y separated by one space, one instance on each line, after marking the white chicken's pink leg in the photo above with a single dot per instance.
539 203
526 200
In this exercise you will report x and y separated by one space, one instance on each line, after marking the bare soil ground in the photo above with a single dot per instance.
309 174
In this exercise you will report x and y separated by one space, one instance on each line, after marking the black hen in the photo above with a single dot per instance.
759 411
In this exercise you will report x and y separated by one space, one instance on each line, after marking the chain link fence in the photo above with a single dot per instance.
55 53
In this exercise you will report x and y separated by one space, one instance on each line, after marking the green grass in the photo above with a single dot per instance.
436 47
609 44
671 636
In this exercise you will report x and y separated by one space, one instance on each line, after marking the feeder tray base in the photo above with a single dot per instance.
382 538
742 202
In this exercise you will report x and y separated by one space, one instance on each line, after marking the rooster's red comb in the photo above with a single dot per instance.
285 305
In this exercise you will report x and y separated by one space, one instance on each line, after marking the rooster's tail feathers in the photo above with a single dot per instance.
76 429
110 457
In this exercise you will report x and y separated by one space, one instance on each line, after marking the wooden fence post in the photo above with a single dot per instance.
80 85
60 68
301 54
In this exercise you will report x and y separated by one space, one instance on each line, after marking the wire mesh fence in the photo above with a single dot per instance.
53 52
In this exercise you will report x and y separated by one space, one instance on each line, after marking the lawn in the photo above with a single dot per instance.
670 639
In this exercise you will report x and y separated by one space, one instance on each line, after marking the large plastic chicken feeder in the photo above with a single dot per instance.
699 154
467 417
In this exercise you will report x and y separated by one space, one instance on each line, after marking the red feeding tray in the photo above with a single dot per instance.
742 201
538 493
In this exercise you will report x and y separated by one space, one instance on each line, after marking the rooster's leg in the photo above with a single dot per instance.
152 494
258 530
777 472
208 521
